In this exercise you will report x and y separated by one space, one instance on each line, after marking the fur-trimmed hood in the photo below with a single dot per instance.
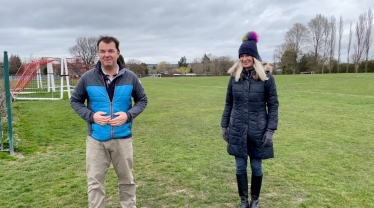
267 67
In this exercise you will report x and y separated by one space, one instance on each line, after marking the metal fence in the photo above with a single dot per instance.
6 132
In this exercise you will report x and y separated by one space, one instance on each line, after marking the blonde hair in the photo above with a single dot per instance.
257 74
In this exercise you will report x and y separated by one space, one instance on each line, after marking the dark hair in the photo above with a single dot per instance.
108 39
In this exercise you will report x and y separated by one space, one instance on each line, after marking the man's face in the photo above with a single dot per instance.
108 54
247 60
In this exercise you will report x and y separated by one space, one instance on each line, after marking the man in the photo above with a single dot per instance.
109 113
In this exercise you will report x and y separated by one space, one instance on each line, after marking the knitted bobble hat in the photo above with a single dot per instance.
249 45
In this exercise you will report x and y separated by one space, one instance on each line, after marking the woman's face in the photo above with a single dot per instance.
246 60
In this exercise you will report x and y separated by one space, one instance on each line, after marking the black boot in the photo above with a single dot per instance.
242 180
256 183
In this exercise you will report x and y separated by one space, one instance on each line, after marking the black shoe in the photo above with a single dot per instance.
244 203
254 202
242 180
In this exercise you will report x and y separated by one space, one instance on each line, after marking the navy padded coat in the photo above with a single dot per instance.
251 107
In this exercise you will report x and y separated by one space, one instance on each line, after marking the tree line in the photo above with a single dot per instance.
312 47
209 64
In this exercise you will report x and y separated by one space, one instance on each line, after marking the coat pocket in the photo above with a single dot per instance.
262 122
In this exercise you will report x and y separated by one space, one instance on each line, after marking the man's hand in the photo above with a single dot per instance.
225 134
100 118
119 120
267 139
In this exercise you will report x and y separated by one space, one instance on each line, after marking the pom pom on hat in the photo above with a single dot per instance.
249 45
251 36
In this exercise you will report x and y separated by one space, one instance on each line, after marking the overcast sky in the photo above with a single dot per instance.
163 30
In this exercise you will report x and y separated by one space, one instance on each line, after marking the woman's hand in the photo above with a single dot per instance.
267 139
225 134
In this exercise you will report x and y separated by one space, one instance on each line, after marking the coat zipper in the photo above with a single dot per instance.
111 105
111 108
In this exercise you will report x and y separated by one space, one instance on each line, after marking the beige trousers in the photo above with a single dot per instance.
99 155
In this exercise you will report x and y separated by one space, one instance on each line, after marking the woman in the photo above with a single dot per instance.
250 118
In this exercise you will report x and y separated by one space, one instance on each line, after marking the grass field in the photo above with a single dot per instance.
324 148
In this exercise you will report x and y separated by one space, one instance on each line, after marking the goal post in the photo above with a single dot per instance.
65 73
39 86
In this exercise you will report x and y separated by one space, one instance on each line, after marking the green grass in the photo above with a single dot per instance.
323 148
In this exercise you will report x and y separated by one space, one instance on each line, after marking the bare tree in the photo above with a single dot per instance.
359 45
136 66
164 66
222 64
275 63
214 66
197 66
278 51
349 45
133 61
316 27
277 57
332 42
340 41
86 49
368 38
31 58
326 31
296 39
219 65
